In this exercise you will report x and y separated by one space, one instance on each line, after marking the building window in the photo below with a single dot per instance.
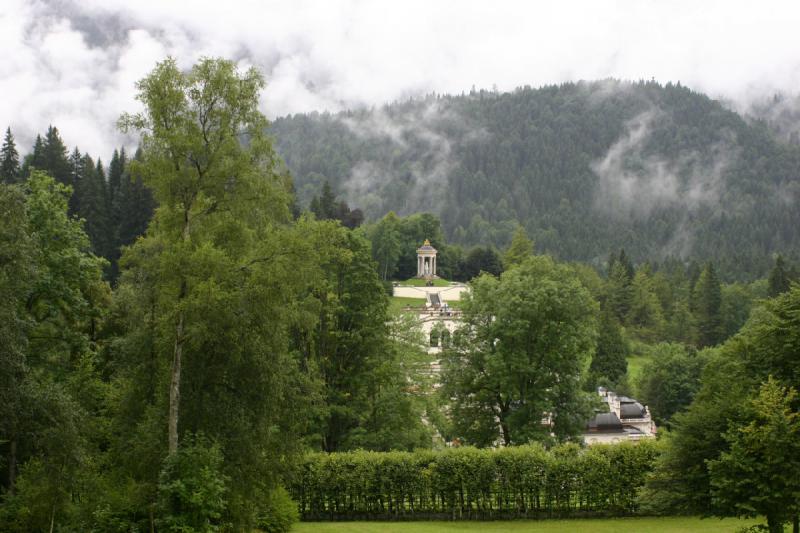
445 338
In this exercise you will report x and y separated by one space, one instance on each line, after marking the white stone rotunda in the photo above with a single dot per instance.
426 261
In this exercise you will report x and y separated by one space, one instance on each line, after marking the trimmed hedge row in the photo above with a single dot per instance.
468 483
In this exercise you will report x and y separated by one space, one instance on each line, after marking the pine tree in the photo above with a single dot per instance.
9 160
625 262
645 313
707 297
520 249
54 157
313 206
93 207
327 202
137 206
35 159
609 363
619 290
779 279
76 166
115 170
131 209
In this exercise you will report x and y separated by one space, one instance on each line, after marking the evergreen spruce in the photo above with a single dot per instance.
55 160
35 159
75 180
609 363
93 206
327 203
520 249
9 160
707 302
779 279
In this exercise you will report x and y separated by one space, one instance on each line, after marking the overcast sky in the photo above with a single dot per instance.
74 63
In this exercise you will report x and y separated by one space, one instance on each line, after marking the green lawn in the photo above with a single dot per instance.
397 303
599 525
635 364
416 282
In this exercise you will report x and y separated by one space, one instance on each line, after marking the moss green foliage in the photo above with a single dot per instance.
595 525
468 483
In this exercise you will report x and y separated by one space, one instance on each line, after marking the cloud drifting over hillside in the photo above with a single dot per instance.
74 63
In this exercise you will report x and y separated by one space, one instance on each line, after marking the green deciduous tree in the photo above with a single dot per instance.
386 244
760 472
53 299
17 266
766 348
208 301
670 379
520 354
482 259
196 165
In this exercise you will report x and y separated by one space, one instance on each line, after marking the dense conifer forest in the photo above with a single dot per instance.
660 170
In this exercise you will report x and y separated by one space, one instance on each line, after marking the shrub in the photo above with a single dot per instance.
192 488
468 483
279 513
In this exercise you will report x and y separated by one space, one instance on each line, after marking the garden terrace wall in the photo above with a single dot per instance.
468 483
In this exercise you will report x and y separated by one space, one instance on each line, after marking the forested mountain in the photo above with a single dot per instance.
586 168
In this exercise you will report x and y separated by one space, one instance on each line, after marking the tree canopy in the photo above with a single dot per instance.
516 365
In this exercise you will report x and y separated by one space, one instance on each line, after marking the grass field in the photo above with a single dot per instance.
599 525
397 303
416 282
635 364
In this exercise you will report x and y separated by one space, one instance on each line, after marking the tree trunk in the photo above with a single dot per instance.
796 524
175 381
774 525
12 464
506 433
175 384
